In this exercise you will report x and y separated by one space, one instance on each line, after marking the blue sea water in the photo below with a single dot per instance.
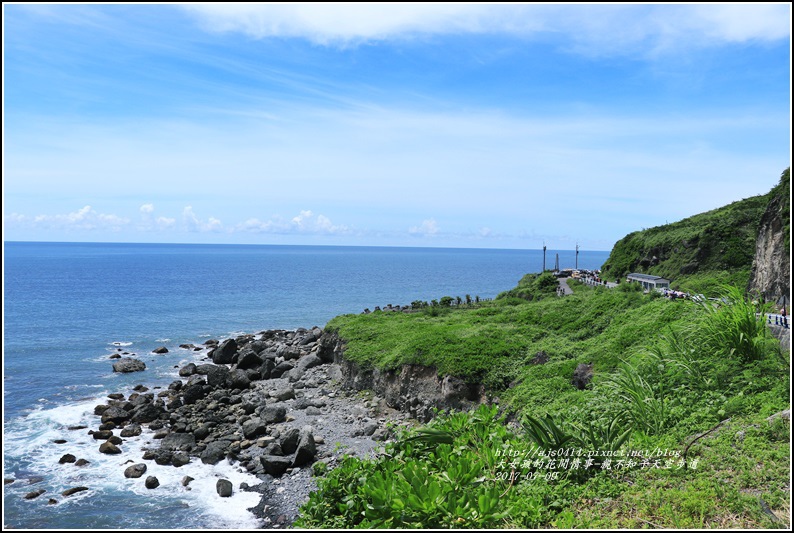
69 306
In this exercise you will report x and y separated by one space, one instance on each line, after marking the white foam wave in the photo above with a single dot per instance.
30 439
121 343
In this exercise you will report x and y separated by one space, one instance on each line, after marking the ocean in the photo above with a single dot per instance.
69 306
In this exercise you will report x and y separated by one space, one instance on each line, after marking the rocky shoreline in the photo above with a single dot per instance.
274 404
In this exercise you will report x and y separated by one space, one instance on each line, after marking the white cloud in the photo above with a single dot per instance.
85 218
305 222
429 227
194 224
590 29
165 222
147 209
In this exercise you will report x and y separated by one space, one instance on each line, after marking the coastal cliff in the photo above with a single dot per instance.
744 244
771 271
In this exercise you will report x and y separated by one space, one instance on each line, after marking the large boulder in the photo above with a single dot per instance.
289 440
135 471
273 414
128 364
281 369
247 358
309 361
117 415
148 412
73 490
109 448
224 488
307 448
217 376
275 465
224 353
214 452
187 370
254 428
160 350
133 430
582 376
193 393
238 379
178 441
152 482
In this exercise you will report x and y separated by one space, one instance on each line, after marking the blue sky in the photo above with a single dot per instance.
500 126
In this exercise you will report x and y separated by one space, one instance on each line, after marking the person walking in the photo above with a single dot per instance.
783 315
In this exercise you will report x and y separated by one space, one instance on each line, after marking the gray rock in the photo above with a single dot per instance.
180 459
187 370
582 376
287 393
109 448
224 488
152 482
254 428
128 364
81 462
369 429
186 481
310 361
117 415
275 465
148 412
35 494
280 369
133 430
160 350
307 448
73 490
248 358
273 414
238 379
67 458
313 411
214 452
217 376
289 440
225 352
135 471
178 441
193 393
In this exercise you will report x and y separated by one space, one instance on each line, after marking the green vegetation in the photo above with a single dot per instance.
679 427
701 252
677 412
494 343
533 287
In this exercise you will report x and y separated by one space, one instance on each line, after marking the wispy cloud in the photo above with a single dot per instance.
194 224
305 222
427 228
590 29
82 219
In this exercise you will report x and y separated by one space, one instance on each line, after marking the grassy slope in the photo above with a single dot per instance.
691 385
697 253
495 342
742 467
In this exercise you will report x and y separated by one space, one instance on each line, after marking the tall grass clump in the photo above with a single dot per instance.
643 400
736 327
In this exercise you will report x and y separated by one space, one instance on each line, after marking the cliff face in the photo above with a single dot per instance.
771 272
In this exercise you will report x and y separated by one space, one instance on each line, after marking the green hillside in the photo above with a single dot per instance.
696 253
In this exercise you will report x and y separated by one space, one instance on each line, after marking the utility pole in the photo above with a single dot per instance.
557 262
577 256
544 256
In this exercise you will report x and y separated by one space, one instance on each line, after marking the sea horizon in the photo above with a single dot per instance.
70 306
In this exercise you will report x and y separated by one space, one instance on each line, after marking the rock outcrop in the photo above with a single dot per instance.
771 273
